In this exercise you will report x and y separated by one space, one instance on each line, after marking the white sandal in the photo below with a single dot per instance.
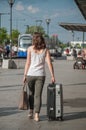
36 117
30 115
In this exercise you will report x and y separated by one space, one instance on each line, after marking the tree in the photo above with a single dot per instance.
3 35
33 29
15 34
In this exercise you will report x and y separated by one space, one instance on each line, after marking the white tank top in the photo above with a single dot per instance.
37 66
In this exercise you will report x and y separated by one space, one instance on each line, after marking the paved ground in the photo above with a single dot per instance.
74 94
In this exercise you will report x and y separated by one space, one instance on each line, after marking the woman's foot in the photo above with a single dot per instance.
30 115
36 117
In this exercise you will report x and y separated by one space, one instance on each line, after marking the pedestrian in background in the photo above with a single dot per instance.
74 53
7 48
34 73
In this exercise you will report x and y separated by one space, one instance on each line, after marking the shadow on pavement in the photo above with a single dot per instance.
75 84
6 111
74 115
62 58
43 118
67 116
76 102
8 86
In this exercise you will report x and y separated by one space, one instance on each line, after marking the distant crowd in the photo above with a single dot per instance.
75 53
8 51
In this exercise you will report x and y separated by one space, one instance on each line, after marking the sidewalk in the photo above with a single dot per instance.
74 94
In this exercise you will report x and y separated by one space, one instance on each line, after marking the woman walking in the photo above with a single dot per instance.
34 73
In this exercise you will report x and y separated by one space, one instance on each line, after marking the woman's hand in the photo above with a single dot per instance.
24 79
53 79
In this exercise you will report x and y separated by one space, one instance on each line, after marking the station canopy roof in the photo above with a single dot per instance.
74 26
82 6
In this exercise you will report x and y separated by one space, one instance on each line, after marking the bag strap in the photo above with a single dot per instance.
25 86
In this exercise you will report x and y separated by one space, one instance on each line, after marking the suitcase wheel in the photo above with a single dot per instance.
49 119
61 118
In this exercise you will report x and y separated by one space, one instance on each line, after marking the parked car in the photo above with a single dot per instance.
55 52
67 51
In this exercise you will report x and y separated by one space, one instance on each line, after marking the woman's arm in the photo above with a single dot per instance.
27 64
50 65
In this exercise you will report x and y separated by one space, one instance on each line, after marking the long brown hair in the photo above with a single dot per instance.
38 41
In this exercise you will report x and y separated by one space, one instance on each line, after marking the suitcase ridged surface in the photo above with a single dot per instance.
55 101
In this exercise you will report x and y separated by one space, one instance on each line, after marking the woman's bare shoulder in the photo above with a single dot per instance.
30 48
47 50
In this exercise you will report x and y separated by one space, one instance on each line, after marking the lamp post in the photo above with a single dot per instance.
11 2
73 35
83 39
27 28
48 22
38 24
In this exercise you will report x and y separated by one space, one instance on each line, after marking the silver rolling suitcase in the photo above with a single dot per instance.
55 102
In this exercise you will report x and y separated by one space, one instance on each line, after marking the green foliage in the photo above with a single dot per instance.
33 29
3 35
78 46
15 34
5 38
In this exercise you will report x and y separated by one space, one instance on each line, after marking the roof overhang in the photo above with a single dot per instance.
82 6
74 26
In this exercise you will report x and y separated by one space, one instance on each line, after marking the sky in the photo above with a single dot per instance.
27 12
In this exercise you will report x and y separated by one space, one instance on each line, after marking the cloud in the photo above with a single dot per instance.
19 6
33 9
51 15
55 15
